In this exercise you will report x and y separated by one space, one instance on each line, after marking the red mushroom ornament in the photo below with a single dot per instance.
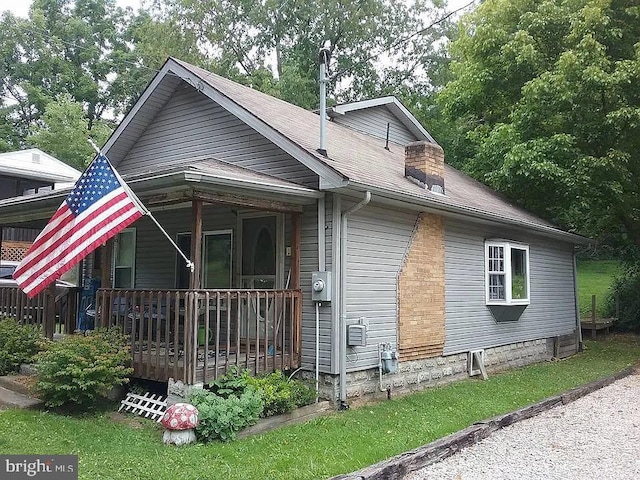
179 421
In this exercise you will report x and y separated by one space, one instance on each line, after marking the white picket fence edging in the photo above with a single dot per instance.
149 405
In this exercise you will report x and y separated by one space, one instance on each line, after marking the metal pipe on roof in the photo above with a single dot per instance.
343 296
323 59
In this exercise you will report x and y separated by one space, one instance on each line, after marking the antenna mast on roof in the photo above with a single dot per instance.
323 59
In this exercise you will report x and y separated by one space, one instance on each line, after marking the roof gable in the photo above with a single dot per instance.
37 165
372 116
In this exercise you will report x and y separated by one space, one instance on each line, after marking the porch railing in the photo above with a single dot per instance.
198 335
54 313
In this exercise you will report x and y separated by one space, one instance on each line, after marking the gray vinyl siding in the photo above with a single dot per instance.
469 324
373 121
192 126
308 265
156 257
377 241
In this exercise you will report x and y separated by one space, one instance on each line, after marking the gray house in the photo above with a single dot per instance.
336 265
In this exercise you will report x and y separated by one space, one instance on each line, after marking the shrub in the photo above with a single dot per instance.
18 344
221 418
81 370
281 395
232 383
626 289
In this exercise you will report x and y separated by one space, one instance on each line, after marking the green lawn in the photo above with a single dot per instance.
338 443
594 278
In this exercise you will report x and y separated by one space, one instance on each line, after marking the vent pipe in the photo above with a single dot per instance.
323 59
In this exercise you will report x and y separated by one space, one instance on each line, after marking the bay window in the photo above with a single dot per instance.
506 273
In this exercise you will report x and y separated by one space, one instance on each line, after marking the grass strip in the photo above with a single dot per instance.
595 278
338 443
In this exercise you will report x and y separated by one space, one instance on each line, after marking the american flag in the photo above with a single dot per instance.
98 208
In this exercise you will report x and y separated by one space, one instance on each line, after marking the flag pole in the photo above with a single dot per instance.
145 210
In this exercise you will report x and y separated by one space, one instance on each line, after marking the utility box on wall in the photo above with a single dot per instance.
321 286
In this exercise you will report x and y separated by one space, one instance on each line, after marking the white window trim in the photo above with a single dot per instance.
507 273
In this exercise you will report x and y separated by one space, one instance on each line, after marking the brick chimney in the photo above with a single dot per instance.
424 165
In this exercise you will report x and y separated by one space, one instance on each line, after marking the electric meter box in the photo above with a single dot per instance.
321 286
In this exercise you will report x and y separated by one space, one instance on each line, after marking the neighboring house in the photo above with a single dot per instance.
27 172
420 259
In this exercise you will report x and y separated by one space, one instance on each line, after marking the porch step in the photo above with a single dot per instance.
18 383
11 399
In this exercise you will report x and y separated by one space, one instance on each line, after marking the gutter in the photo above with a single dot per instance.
440 206
343 296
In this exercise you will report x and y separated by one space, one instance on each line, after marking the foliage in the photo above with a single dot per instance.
274 46
281 395
625 291
221 418
18 344
64 131
331 445
232 383
69 48
545 103
80 370
595 277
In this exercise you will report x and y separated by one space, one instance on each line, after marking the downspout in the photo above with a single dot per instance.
343 297
577 305
321 267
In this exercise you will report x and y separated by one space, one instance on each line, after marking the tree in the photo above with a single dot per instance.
545 103
64 131
64 47
273 45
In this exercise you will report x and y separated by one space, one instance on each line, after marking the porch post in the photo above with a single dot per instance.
196 243
50 311
295 284
295 251
1 236
105 264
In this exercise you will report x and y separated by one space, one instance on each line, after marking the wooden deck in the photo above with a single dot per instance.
196 336
599 324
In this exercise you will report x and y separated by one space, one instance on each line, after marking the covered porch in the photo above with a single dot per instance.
242 303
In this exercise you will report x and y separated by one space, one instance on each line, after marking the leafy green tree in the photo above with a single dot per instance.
64 47
545 103
273 45
64 130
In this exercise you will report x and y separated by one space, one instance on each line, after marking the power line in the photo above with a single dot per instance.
403 41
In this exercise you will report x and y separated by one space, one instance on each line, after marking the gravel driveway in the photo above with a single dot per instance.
595 437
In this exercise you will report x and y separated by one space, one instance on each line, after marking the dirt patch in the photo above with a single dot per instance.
28 382
128 420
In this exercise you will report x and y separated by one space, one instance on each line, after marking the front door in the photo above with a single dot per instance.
261 266
261 252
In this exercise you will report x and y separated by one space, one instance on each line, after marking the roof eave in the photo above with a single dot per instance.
436 205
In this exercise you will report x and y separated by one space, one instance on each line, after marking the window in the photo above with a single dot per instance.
216 259
124 259
507 273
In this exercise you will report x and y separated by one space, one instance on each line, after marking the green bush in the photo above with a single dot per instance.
221 418
232 383
626 288
281 395
18 344
81 370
